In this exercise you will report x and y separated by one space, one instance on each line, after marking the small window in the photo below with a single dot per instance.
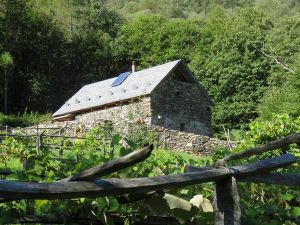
182 127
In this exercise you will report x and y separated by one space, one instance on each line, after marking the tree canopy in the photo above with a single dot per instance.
245 53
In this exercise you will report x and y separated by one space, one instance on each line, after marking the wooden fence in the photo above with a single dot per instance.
44 136
226 200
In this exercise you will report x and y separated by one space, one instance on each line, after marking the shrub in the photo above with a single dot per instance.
24 120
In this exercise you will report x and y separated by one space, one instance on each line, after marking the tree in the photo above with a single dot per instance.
6 63
152 40
230 67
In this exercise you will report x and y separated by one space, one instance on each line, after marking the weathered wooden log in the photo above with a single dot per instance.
57 220
274 178
252 168
112 166
277 144
5 172
227 203
105 187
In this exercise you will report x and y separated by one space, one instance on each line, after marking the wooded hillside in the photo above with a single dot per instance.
245 53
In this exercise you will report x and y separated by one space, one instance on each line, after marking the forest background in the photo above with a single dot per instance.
245 53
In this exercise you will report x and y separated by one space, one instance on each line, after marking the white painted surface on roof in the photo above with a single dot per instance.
97 94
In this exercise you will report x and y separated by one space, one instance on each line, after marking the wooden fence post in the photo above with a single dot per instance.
226 203
39 142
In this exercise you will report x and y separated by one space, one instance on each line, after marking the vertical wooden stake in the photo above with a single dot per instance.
226 203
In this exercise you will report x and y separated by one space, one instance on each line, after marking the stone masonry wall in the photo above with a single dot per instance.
190 143
126 115
122 116
182 106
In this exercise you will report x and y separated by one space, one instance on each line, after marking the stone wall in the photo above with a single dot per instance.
121 117
190 143
182 106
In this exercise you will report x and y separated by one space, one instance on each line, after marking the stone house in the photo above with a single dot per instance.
166 98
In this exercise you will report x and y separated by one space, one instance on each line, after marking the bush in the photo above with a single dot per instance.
24 120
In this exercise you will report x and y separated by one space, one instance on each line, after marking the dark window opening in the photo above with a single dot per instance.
182 127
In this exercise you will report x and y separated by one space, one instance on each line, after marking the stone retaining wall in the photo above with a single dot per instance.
190 143
171 139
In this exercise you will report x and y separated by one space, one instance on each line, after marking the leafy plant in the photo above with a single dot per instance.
52 164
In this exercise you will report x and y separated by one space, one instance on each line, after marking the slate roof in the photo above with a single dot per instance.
101 93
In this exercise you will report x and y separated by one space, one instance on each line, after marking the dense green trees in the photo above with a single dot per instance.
230 66
51 63
244 52
34 42
152 39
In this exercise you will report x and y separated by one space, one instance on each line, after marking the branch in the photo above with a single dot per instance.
274 178
280 143
251 168
105 187
283 65
112 166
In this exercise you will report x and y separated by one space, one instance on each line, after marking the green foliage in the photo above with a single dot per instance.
268 204
230 67
244 53
6 60
281 125
23 120
50 62
50 164
153 39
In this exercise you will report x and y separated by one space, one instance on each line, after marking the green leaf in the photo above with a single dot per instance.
182 215
124 151
175 202
296 211
116 139
287 197
40 203
101 203
112 203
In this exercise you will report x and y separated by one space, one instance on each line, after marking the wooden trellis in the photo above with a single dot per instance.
226 201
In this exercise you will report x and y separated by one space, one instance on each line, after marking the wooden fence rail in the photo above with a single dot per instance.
226 203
